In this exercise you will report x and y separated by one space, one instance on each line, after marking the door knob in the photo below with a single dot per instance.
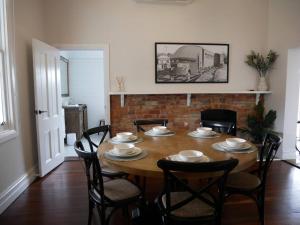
39 111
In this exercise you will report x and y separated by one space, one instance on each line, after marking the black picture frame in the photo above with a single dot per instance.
191 62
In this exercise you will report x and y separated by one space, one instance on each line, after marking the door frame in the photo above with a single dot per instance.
291 111
105 49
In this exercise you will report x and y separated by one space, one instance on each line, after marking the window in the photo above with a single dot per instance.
7 93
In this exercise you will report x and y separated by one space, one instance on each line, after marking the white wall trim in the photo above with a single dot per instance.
105 48
8 196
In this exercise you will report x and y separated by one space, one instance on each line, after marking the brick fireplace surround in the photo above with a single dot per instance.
174 108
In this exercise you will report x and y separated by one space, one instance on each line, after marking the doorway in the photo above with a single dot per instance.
297 160
84 94
291 130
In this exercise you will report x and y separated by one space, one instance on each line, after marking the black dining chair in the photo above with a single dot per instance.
219 126
104 130
220 120
140 127
200 205
113 194
253 184
140 123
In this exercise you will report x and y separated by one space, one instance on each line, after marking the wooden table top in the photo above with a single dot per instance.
160 147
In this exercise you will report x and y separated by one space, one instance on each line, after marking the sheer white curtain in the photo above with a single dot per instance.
7 91
2 98
298 122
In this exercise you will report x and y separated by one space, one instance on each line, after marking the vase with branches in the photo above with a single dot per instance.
262 64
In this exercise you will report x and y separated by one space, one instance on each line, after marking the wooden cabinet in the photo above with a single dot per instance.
76 119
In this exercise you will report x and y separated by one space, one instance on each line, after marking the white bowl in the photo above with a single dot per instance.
190 155
124 136
124 148
235 142
204 130
159 129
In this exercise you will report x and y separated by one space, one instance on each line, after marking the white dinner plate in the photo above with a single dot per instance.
153 134
219 147
228 147
196 134
134 152
132 138
160 132
177 158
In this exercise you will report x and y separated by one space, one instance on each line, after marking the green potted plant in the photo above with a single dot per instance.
260 123
262 65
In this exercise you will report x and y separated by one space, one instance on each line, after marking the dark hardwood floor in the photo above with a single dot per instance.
61 198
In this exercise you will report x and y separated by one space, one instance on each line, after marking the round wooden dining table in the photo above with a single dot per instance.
164 146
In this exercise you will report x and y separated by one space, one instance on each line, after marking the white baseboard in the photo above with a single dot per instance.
9 195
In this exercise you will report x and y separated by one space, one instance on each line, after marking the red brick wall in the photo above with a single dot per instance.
174 108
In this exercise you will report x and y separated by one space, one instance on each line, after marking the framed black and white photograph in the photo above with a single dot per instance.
191 63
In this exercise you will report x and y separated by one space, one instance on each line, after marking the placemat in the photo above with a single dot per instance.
115 158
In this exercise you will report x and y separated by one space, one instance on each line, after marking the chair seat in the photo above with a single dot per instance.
195 208
243 181
120 189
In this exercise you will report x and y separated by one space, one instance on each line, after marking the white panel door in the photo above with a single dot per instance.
48 106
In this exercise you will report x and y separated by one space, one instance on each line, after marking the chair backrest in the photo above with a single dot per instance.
105 129
140 123
92 169
267 154
203 193
221 127
221 120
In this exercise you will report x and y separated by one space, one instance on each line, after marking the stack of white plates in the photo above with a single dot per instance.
124 150
159 131
196 134
224 146
124 137
189 156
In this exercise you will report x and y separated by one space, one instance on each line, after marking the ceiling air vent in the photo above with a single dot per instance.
166 1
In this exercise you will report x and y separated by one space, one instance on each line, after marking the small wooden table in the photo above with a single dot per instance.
160 147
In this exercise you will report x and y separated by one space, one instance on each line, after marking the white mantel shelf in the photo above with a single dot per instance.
188 94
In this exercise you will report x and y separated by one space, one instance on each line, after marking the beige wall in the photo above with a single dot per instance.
283 34
131 29
18 155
